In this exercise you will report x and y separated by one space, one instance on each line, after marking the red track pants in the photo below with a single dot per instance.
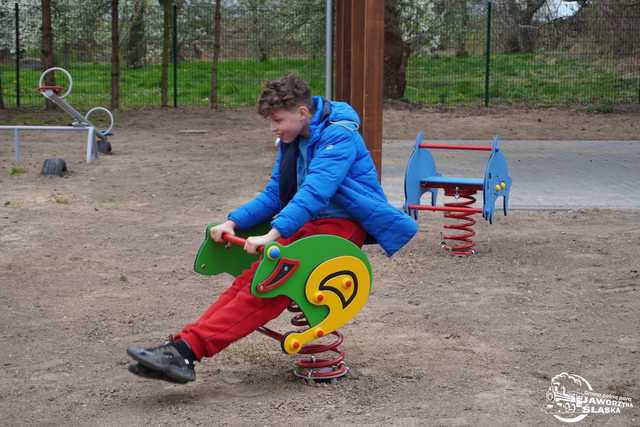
237 313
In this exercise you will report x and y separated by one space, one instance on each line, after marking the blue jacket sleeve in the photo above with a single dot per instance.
334 155
263 206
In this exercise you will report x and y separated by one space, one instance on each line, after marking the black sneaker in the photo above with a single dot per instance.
165 360
150 374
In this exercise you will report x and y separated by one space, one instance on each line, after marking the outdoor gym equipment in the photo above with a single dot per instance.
81 123
421 177
328 279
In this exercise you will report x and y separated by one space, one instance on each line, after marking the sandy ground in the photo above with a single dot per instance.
102 259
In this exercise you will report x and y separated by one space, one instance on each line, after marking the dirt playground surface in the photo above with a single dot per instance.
102 259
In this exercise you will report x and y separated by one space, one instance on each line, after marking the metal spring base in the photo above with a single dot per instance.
462 243
310 366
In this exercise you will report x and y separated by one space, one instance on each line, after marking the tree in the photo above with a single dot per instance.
115 56
213 98
521 13
78 29
63 31
256 9
409 25
300 22
1 95
137 43
166 32
6 33
4 50
396 52
46 52
612 26
286 27
454 21
262 30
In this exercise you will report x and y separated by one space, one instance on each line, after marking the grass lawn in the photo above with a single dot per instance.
239 83
515 78
519 78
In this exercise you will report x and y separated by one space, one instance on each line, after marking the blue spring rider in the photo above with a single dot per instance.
422 177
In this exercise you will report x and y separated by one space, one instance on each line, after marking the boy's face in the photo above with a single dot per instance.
288 124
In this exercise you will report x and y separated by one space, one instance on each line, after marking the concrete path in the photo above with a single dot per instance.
546 174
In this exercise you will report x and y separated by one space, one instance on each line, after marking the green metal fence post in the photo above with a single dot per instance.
175 55
17 8
487 56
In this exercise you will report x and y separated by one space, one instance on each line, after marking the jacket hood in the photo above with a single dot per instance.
329 112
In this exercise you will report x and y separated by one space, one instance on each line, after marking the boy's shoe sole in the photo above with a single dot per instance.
154 360
150 374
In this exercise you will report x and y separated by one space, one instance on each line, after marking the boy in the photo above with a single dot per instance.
323 182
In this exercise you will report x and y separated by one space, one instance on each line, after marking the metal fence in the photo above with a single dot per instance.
590 58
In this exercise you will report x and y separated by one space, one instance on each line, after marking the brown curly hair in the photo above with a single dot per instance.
285 93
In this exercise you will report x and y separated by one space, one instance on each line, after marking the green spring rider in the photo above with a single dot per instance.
327 278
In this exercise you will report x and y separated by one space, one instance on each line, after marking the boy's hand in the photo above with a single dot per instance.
254 242
226 227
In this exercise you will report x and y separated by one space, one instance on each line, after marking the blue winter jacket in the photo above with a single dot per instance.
340 170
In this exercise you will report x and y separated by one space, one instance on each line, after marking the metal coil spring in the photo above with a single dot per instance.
462 243
312 367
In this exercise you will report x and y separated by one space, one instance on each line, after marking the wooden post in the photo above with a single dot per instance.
360 66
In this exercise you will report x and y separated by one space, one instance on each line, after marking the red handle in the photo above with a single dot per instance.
238 241
234 240
457 147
